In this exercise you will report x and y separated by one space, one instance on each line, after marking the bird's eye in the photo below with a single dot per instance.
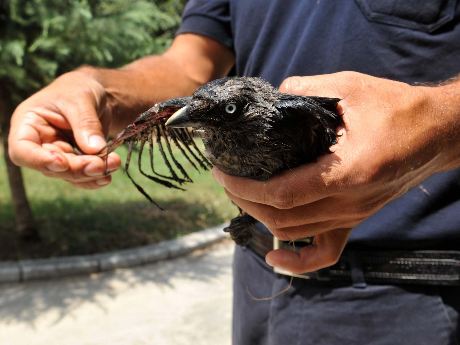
230 108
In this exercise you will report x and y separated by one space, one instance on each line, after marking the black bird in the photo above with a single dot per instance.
248 127
252 130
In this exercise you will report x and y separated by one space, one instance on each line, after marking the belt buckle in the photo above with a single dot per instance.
277 244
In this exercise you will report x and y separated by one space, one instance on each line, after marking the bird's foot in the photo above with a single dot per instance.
241 229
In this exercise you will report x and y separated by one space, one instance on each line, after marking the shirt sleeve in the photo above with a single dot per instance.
208 18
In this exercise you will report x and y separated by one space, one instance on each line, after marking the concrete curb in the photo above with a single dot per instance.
25 270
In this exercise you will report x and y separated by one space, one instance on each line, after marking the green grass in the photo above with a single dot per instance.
74 221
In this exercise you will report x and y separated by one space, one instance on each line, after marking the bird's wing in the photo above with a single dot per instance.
322 109
315 118
306 103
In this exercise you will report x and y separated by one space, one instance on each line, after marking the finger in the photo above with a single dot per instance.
90 168
84 168
59 145
97 184
86 126
99 166
298 186
25 147
309 230
326 85
34 156
301 232
325 252
274 218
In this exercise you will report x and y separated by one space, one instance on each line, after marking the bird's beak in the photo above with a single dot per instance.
181 118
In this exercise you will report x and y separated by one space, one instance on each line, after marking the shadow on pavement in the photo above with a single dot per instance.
25 302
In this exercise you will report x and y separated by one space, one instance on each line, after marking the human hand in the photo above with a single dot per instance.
395 136
70 111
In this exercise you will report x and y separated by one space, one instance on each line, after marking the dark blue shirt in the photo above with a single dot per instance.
410 41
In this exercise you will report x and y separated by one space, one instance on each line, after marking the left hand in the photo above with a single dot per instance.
394 137
71 111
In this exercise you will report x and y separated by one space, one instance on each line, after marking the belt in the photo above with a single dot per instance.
359 267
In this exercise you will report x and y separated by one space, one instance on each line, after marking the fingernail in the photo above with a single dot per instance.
268 260
96 141
102 182
113 164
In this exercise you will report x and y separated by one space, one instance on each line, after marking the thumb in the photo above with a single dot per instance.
326 85
325 252
87 128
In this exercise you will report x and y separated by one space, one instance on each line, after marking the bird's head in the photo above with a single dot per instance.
223 102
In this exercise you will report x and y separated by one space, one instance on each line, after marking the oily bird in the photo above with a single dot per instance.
248 127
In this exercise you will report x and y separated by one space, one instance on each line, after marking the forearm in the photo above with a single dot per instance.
134 88
190 62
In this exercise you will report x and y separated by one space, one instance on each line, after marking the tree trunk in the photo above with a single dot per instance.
25 224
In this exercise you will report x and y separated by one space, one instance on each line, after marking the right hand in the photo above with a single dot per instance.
71 111
394 137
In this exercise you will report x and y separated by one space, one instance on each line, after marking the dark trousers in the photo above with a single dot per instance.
321 314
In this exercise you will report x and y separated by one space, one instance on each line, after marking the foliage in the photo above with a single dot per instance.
40 39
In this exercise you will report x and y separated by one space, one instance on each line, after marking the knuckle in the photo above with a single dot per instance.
349 76
62 103
87 93
88 121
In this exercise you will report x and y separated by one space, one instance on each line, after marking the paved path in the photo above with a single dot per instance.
182 301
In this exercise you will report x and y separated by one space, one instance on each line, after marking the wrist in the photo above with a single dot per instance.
443 105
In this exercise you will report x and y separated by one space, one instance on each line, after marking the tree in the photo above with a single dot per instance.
40 39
